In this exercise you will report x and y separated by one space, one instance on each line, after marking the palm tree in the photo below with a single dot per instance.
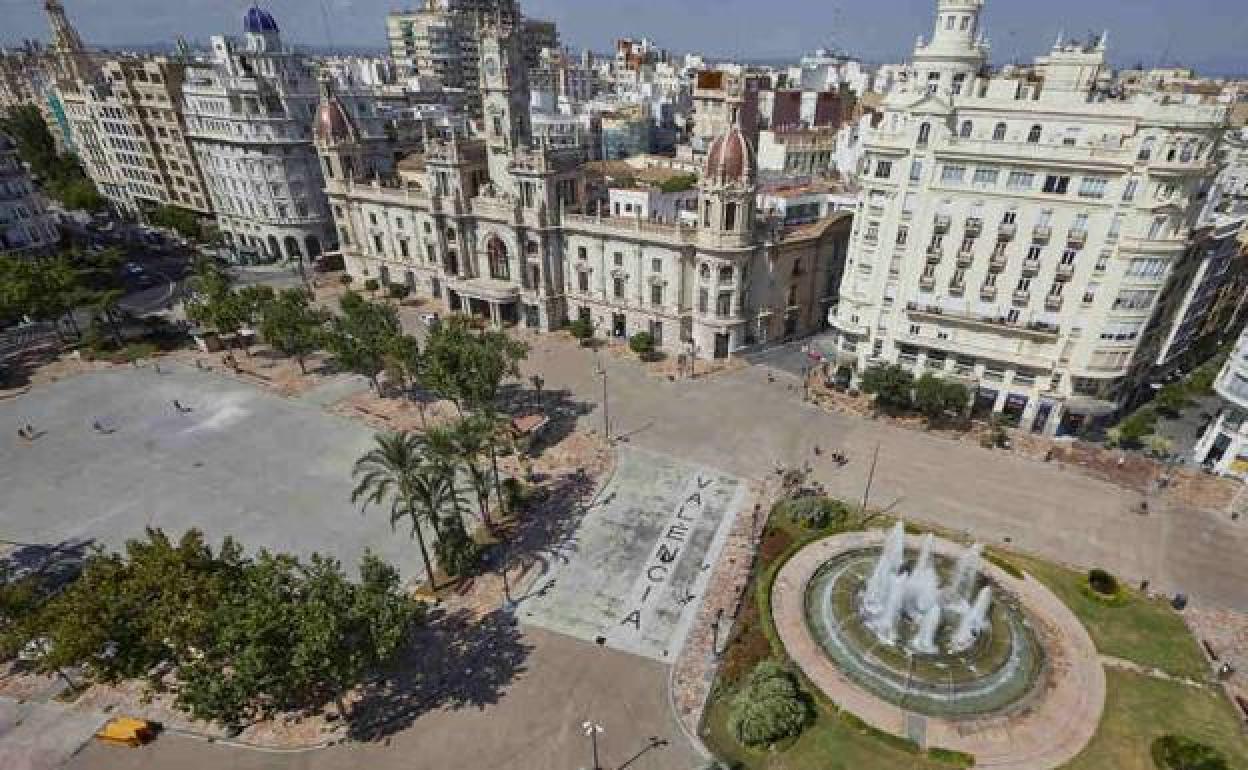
472 438
396 470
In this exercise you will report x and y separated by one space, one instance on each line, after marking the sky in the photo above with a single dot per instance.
1210 35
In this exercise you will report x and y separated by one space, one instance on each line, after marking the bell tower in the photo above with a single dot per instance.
504 86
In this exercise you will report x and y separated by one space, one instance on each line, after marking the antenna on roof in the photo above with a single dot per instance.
329 34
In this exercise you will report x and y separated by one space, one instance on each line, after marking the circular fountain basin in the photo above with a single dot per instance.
995 672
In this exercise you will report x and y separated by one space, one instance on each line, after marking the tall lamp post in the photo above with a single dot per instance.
592 729
601 371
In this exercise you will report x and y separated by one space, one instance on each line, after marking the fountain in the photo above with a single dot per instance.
923 626
972 621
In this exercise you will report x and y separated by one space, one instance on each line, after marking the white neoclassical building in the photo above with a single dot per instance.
26 227
1224 445
249 115
1017 229
498 226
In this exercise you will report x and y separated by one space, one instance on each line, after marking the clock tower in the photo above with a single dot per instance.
504 86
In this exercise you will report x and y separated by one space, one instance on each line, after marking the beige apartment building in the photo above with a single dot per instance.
1018 229
125 116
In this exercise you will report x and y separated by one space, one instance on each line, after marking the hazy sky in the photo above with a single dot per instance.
1211 35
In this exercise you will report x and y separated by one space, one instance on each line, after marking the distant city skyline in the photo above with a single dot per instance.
1204 34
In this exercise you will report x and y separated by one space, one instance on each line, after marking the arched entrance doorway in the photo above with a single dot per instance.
275 251
292 248
496 251
314 246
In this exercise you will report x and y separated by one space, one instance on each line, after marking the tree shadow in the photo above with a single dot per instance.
454 661
559 406
547 534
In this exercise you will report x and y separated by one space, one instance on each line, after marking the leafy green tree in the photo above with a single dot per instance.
399 291
402 361
61 175
642 343
937 399
582 329
396 473
1172 399
468 367
292 325
184 221
362 335
106 305
769 708
1176 752
891 384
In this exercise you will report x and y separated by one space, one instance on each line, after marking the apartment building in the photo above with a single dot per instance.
497 226
1018 229
125 117
250 110
26 227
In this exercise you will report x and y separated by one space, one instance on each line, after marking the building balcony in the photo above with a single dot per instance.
1041 233
1053 302
934 254
942 223
965 258
1031 266
987 292
927 282
1065 272
998 262
957 288
1006 231
1077 237
974 227
1022 297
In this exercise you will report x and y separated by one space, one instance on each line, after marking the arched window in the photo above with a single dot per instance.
705 272
967 128
725 275
496 251
1146 149
925 133
998 133
1033 136
531 248
1186 154
450 234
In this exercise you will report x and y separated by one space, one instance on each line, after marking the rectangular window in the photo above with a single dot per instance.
1057 185
1020 180
986 177
656 294
723 304
618 258
903 235
1034 251
582 281
377 249
1130 189
656 265
952 174
916 170
883 169
1093 187
1146 268
617 285
1134 299
704 300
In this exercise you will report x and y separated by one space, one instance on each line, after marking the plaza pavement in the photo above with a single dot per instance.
273 471
743 424
534 726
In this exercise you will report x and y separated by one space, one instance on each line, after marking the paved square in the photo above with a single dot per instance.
632 578
274 472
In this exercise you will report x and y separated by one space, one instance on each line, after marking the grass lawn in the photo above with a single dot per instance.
828 744
1140 708
1141 630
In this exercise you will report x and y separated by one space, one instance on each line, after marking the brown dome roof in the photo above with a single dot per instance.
730 158
332 124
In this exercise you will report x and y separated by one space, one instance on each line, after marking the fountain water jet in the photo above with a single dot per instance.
972 622
965 574
886 567
924 641
885 623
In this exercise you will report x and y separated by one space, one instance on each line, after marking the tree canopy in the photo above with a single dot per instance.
361 336
292 326
891 384
468 367
61 175
243 636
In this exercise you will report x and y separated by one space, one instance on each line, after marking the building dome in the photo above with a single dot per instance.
259 21
730 158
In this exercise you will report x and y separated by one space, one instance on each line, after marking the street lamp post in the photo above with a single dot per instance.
592 729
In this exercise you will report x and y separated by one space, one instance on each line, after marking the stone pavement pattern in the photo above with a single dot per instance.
1059 719
633 572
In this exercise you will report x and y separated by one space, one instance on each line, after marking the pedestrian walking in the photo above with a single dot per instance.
97 426
22 432
178 405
